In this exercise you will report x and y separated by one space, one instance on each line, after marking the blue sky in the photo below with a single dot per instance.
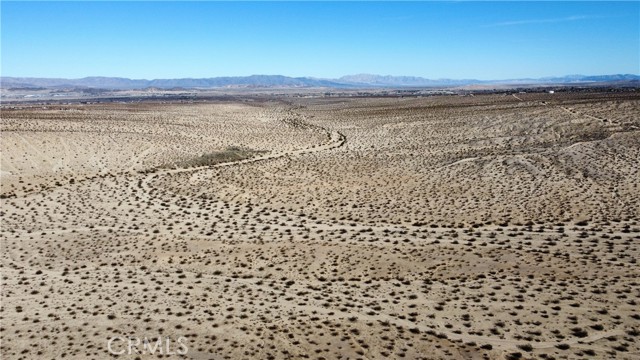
481 40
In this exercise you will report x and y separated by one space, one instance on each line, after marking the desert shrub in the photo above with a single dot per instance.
230 154
525 347
578 332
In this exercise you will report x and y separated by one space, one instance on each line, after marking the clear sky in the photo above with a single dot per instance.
481 40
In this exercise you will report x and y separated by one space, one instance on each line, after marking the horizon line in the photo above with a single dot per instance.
312 77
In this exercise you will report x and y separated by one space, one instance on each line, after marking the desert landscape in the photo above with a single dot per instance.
485 226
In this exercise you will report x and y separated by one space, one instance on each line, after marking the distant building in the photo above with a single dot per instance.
551 91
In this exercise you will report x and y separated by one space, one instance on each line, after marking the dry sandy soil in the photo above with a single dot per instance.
444 227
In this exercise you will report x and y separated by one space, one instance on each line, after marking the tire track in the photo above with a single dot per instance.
335 139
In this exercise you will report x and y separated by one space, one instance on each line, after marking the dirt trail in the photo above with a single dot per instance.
136 159
335 139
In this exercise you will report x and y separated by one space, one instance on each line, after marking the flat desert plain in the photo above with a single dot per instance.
496 226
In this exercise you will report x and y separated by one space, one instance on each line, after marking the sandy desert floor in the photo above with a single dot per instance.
443 227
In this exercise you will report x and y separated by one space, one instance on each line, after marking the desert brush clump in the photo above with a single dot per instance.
228 155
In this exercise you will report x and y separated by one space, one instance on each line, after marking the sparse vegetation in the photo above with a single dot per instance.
361 227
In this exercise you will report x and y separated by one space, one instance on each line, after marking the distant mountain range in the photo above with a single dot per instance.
276 81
